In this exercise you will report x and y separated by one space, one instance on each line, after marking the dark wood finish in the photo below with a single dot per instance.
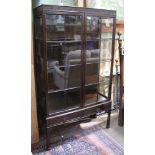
108 119
113 48
121 102
76 114
86 90
54 8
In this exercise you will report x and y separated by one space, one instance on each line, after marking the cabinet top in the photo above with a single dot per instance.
52 8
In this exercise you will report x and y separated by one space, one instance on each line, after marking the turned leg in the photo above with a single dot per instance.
108 119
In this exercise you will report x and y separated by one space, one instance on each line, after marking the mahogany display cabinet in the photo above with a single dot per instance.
74 50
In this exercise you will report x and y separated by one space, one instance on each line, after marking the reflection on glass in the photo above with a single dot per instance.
64 54
56 101
105 55
63 27
73 97
73 27
55 19
91 73
63 100
92 44
105 69
107 25
104 87
92 23
91 94
63 51
98 58
60 78
55 27
106 38
93 50
65 73
106 48
92 27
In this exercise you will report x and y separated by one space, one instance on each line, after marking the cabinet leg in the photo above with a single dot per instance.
47 138
93 116
121 117
108 119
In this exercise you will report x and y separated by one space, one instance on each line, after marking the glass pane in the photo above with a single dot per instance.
105 55
105 69
91 72
93 50
73 97
73 27
92 27
60 78
106 48
63 100
91 94
104 87
93 35
64 53
56 101
64 61
63 43
63 27
106 38
54 54
55 27
98 57
92 60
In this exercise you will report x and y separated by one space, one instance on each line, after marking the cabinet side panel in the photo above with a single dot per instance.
34 122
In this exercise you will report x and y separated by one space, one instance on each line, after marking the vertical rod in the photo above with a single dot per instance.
99 62
85 4
112 55
116 104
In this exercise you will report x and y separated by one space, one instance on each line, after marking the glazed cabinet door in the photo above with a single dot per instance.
64 33
99 38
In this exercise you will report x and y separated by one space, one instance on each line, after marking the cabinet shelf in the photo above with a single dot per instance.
95 62
96 83
73 88
63 66
64 24
99 61
76 41
64 41
62 90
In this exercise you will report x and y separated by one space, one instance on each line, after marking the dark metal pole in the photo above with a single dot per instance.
116 104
